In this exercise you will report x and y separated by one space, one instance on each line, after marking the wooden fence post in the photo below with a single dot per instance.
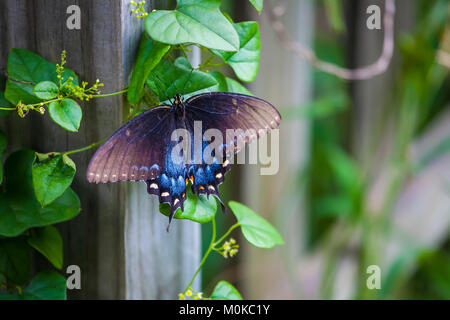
119 239
286 83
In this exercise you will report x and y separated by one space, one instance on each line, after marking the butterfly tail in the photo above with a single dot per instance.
172 213
177 203
224 209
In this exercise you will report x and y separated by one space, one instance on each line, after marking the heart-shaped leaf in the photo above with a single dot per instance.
258 4
245 62
48 241
19 209
255 229
168 79
25 70
149 55
16 91
225 291
46 285
66 113
225 84
15 259
196 208
46 90
52 175
196 21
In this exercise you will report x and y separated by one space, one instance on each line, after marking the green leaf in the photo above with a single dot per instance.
52 175
19 209
225 291
3 143
170 78
225 84
196 21
46 285
149 55
196 208
15 259
67 114
258 4
245 62
48 241
255 229
236 87
5 104
16 92
46 90
25 70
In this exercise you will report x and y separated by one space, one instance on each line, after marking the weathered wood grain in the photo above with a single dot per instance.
98 240
94 239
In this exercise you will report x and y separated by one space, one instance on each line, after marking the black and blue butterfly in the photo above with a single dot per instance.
141 149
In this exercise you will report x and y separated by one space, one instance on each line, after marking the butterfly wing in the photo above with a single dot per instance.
223 111
141 149
254 117
134 152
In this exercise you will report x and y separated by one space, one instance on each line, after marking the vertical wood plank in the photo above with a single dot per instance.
158 264
93 240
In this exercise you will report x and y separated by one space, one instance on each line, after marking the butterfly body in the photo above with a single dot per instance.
145 149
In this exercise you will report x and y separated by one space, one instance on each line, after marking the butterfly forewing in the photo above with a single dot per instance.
132 150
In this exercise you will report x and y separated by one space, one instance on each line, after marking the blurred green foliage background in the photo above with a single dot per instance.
346 165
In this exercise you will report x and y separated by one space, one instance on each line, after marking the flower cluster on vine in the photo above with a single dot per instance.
140 10
190 294
229 249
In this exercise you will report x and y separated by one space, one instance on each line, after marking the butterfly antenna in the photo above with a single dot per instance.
178 91
165 92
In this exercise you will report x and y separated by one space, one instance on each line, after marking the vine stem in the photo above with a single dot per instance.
211 246
234 226
109 94
93 145
61 98
39 104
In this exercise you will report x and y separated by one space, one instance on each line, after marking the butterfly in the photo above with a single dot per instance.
143 149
